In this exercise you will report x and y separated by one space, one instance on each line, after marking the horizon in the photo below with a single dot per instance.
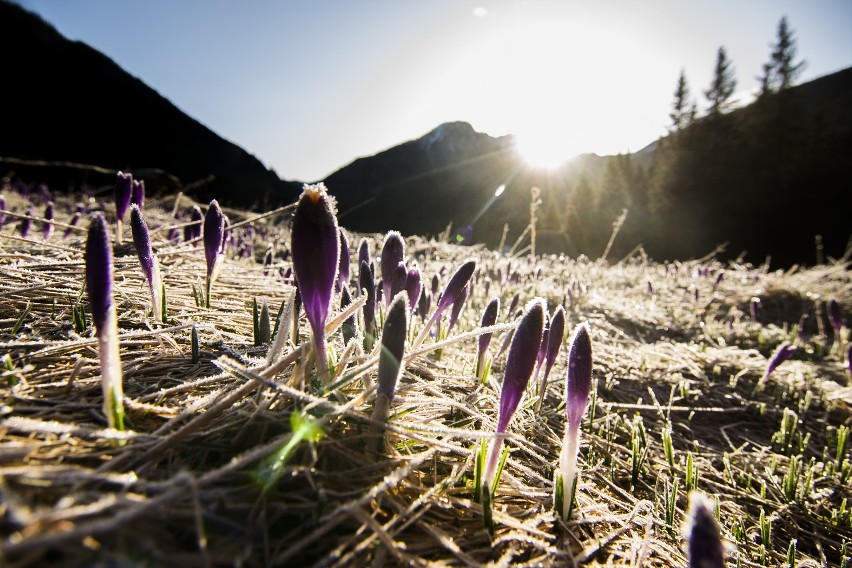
438 63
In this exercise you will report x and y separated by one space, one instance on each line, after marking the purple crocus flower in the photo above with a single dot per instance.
349 328
123 194
784 352
551 345
393 252
368 286
363 252
835 316
214 232
137 193
513 304
2 211
423 305
519 367
413 285
398 281
489 318
343 267
147 260
849 360
47 230
26 223
577 387
435 283
455 312
315 246
74 220
702 534
390 360
451 292
99 285
719 278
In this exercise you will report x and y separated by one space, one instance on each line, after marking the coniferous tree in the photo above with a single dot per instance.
682 110
723 84
781 70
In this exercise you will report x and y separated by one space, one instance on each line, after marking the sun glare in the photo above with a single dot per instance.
544 152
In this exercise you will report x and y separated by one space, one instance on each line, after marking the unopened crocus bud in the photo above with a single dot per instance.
702 534
849 360
753 306
489 318
2 211
394 332
398 280
423 305
26 223
368 286
513 304
73 223
47 229
349 327
577 386
343 264
719 278
800 332
363 252
784 352
551 346
147 260
519 367
455 312
315 246
435 283
451 292
413 285
137 193
123 194
835 315
214 230
99 280
393 251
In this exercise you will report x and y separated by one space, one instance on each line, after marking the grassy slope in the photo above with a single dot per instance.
683 356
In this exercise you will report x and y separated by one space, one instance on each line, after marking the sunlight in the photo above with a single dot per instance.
544 150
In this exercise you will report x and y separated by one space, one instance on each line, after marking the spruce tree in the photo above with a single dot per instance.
781 70
682 110
723 84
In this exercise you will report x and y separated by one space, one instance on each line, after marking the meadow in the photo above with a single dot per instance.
235 456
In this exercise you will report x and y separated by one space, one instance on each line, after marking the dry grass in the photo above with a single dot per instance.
180 490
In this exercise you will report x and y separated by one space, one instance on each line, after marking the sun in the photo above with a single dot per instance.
546 148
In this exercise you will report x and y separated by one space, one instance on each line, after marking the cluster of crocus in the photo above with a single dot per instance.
390 357
315 246
123 195
577 386
489 318
147 260
452 291
519 367
99 280
214 233
702 534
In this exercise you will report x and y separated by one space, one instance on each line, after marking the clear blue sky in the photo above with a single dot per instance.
307 86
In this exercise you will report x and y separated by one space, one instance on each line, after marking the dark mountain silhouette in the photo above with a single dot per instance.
65 101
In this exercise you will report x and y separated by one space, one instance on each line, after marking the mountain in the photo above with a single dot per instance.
64 101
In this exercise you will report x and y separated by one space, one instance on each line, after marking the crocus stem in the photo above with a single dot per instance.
155 286
118 231
493 457
480 365
111 373
380 414
568 466
425 331
322 359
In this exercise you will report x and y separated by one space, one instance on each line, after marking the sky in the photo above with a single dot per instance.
307 86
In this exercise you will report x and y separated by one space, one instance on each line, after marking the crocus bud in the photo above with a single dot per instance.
393 343
2 211
137 193
753 306
702 534
349 327
363 253
849 360
368 287
803 322
519 366
214 230
398 280
343 265
551 350
457 307
835 315
577 387
513 304
48 220
413 285
147 260
123 193
74 220
315 245
26 223
393 251
99 286
489 318
453 289
785 351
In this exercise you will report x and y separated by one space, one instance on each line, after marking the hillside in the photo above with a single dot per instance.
66 102
680 401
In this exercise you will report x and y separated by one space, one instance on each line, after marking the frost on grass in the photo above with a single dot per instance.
681 356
